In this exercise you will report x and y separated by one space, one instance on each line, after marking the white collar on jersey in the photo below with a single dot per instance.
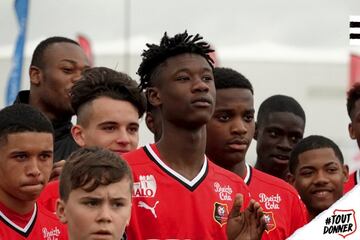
20 229
176 174
248 173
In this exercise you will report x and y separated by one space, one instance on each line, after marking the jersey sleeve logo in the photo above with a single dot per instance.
146 187
221 213
342 222
270 221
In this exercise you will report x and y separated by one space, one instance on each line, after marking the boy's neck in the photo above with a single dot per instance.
19 206
240 169
183 150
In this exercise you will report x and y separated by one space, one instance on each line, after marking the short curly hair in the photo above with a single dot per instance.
170 47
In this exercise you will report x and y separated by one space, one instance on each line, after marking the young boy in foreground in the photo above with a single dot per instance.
95 194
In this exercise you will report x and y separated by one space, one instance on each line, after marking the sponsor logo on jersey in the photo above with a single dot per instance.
52 234
342 222
270 202
221 213
270 221
142 204
146 187
223 191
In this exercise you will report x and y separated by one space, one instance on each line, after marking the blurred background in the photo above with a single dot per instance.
298 48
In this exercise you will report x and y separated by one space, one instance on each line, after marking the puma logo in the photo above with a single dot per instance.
152 209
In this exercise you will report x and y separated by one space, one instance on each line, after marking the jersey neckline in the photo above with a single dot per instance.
190 184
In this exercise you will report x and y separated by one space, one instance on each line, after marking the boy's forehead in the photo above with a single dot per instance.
182 60
114 189
318 157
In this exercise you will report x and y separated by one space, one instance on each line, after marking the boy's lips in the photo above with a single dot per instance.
239 144
281 158
202 101
120 151
103 234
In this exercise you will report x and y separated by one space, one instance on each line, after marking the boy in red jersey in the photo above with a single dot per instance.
26 159
318 173
280 125
95 194
353 109
108 105
230 132
178 193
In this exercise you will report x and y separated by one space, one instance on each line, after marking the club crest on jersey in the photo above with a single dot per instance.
270 221
224 191
270 201
146 187
342 222
221 213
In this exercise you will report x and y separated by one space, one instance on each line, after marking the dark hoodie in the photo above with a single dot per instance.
64 142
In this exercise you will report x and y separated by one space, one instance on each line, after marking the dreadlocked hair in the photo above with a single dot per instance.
170 47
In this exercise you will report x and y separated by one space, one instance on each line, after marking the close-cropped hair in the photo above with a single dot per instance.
169 47
19 118
313 142
38 55
229 78
105 82
279 103
90 167
352 96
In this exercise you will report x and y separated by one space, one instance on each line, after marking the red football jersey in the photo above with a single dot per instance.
49 195
284 211
42 225
168 206
354 179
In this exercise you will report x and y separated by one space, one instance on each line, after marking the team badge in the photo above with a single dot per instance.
270 221
221 213
342 222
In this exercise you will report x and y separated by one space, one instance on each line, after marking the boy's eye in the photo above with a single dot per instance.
295 139
91 203
117 204
67 70
207 78
45 156
133 129
109 128
306 173
249 117
182 78
20 157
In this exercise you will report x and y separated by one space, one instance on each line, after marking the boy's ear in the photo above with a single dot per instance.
60 210
35 75
290 179
351 131
77 133
346 172
149 120
256 131
153 96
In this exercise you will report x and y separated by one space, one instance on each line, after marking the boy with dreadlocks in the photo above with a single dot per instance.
178 193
